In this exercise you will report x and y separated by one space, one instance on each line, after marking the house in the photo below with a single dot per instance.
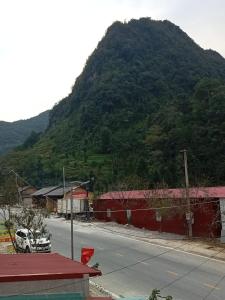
41 198
166 210
47 197
79 198
43 273
25 195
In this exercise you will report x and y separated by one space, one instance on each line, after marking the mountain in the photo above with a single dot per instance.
146 92
13 134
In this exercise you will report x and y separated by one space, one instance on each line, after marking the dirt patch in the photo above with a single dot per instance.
6 248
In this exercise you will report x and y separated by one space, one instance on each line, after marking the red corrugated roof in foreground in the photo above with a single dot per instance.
201 192
41 266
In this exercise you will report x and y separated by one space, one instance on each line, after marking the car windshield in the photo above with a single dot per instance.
36 235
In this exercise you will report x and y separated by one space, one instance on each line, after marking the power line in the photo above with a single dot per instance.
133 264
157 208
103 275
190 271
23 179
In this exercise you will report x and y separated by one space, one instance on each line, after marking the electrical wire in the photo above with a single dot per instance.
190 271
128 266
23 179
155 208
131 265
103 275
186 274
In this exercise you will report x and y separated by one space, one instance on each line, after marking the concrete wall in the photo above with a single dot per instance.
80 285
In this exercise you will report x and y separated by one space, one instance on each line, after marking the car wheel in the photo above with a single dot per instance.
27 250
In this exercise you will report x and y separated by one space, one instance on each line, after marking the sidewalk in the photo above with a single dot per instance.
6 248
209 248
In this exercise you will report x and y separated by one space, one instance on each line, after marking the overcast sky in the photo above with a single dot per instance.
44 44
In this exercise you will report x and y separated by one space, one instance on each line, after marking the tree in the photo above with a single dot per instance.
16 216
8 199
156 295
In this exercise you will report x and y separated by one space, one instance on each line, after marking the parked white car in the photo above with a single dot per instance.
28 242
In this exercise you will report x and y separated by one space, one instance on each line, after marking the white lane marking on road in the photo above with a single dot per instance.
211 286
119 254
100 248
172 273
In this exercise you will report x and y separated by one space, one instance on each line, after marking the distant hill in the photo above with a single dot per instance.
146 92
13 134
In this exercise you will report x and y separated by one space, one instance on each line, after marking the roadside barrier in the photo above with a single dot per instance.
6 239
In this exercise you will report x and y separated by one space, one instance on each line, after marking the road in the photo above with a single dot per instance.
132 268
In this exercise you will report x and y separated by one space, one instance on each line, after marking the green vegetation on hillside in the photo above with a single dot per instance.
147 92
13 134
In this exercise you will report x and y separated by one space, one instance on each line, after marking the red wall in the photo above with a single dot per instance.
205 217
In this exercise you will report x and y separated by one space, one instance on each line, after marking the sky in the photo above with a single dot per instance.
44 44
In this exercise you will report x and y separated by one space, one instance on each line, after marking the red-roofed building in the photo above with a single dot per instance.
43 273
165 210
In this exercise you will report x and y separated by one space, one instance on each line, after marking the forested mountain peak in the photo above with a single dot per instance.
137 103
143 51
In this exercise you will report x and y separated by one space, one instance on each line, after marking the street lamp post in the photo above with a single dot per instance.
71 216
71 224
80 184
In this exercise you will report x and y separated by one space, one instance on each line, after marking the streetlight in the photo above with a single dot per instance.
79 184
189 213
71 214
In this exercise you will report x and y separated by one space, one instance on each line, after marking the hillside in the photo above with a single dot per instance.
146 92
15 133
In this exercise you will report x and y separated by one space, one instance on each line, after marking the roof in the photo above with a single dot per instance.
24 188
196 193
55 191
41 266
59 192
44 191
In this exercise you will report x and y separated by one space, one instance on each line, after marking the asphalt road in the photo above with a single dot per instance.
133 268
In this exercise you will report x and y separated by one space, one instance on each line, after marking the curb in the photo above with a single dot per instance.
103 290
156 241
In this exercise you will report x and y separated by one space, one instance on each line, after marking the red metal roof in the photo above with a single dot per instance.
200 192
41 266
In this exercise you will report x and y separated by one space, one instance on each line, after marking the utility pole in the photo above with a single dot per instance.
64 182
71 219
189 213
20 198
71 214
